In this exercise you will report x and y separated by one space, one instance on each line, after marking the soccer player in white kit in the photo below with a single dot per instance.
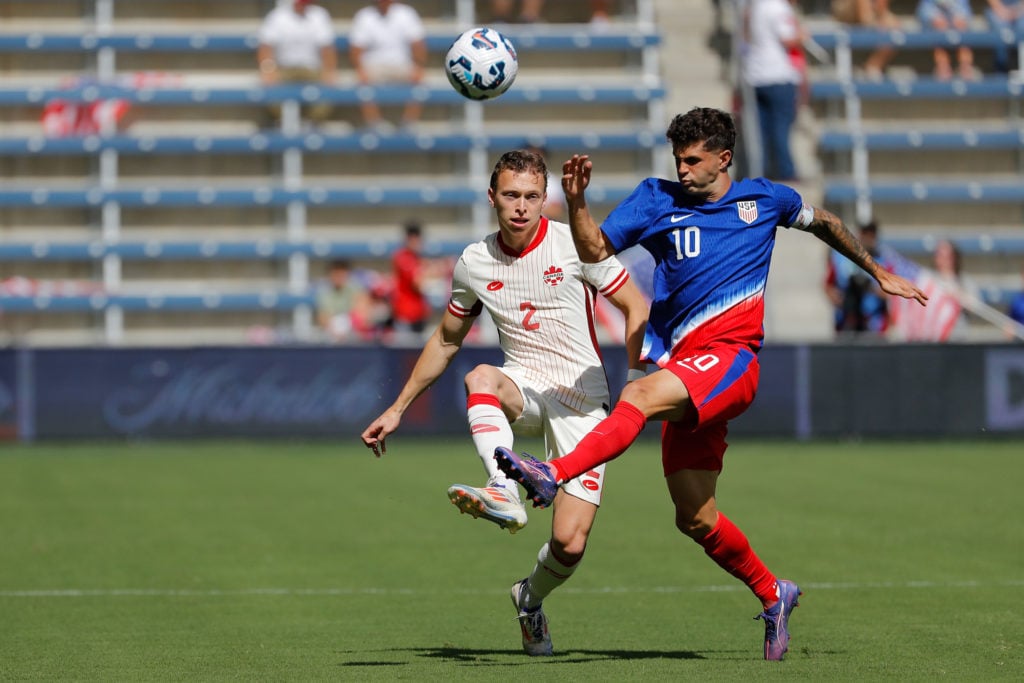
542 299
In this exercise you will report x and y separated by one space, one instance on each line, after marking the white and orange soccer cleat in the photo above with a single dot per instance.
533 623
497 502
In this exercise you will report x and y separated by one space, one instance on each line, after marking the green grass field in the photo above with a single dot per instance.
315 561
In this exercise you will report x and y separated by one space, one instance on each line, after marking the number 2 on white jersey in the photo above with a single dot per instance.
687 243
528 323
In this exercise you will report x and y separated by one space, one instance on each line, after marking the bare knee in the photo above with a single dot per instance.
483 379
570 527
633 393
569 548
695 524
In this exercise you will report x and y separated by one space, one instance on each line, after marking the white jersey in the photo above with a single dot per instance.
297 38
767 61
387 39
542 302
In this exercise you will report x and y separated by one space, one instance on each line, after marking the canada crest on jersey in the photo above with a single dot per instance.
553 275
747 211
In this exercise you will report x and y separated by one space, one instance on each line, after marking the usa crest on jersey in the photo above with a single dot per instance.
747 211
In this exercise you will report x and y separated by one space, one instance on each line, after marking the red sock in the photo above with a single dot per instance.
729 547
607 441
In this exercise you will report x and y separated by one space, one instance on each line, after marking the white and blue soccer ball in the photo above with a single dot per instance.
481 64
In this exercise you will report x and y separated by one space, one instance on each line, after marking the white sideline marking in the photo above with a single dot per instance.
214 592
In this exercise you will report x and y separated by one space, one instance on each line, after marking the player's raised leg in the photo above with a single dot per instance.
609 439
498 500
538 478
495 502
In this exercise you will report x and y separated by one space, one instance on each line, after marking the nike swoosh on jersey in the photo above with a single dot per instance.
676 219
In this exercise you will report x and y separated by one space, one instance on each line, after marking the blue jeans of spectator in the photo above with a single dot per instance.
1001 53
776 111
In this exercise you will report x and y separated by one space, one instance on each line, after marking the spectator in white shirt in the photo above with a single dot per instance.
387 44
772 30
297 46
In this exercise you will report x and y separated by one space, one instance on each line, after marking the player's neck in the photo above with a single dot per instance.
719 189
517 243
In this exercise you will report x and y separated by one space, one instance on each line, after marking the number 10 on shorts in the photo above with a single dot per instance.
701 363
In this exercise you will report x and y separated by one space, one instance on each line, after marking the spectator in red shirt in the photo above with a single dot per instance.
410 309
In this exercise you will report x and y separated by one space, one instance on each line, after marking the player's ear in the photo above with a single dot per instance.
724 159
490 195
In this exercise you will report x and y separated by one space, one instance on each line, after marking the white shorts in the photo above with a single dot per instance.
389 73
562 428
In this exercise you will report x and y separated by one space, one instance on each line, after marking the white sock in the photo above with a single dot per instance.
548 574
489 428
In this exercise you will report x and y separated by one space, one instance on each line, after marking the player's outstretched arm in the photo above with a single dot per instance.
435 358
587 236
827 227
633 305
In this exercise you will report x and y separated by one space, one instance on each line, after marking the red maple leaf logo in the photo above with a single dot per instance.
553 275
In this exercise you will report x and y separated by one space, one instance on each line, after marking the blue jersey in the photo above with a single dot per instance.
711 258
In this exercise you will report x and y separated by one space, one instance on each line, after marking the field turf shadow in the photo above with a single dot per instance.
480 656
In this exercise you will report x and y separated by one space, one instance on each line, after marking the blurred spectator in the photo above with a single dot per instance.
410 309
1003 16
106 116
772 30
529 11
945 15
388 45
344 308
869 14
503 11
798 58
858 304
297 46
600 16
948 265
66 118
554 206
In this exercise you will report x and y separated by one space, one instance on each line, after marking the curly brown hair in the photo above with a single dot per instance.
714 127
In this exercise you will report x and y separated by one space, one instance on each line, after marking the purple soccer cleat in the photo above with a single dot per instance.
536 477
776 621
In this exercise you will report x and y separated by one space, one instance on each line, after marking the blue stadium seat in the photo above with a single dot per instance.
314 195
967 244
256 95
552 39
212 250
275 142
859 38
960 138
267 300
880 191
919 88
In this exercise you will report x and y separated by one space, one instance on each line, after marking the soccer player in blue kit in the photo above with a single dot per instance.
712 240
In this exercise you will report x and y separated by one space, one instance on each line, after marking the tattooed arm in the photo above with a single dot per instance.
827 227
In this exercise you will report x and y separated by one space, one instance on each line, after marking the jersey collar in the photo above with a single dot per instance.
542 231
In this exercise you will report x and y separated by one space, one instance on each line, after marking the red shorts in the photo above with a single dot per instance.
722 382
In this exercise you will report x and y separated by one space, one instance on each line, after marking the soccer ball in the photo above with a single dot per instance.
481 64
